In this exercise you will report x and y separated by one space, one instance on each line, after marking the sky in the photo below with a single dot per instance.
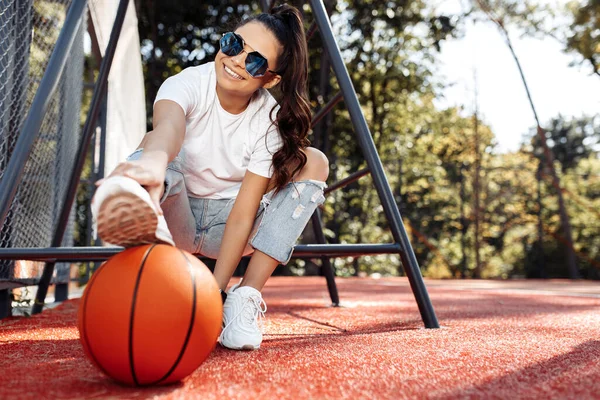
556 88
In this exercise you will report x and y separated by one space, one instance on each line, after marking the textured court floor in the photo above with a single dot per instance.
499 340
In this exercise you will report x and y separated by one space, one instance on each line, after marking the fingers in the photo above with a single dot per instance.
118 171
155 194
142 174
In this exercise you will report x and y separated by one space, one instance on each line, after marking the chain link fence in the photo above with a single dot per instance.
28 31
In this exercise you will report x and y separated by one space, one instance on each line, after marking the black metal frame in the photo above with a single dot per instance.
14 170
76 254
317 223
88 131
55 253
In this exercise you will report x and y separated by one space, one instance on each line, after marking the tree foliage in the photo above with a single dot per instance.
570 141
582 34
429 153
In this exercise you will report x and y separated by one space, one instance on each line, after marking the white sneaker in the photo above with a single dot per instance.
126 215
231 289
242 311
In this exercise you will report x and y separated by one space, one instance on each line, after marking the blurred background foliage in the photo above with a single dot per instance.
441 162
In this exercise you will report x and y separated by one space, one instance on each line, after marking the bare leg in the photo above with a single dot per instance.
261 266
259 270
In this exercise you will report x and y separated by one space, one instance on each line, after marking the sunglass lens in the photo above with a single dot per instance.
230 44
256 65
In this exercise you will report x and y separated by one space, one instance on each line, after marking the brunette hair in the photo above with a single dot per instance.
293 119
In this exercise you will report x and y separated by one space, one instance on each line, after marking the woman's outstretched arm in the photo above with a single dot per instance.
161 145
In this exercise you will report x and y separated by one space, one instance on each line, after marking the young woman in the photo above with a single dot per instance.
226 171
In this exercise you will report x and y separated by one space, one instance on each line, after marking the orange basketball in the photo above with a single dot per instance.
150 315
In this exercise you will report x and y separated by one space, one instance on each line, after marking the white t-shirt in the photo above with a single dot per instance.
219 147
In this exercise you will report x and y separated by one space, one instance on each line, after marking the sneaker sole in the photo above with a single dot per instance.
126 220
248 347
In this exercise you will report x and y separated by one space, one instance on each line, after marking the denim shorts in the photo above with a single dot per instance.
211 216
198 224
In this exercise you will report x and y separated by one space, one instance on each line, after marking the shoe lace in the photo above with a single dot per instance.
252 312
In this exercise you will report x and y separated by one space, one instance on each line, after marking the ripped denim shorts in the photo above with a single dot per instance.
198 224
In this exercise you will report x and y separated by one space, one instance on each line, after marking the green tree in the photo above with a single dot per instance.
570 140
429 153
390 50
582 35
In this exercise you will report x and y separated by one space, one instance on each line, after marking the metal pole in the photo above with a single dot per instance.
76 254
311 31
379 179
326 267
90 124
328 107
102 158
265 5
101 166
347 180
31 128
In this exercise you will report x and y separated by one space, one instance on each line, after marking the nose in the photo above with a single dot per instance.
239 59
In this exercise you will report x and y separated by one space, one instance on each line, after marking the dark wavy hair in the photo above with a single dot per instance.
293 119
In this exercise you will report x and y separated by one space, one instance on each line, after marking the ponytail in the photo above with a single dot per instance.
293 119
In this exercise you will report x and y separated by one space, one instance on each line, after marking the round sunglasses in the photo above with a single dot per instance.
257 65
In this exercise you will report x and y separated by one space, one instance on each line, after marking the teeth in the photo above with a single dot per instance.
233 74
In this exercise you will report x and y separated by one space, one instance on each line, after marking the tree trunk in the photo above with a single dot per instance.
564 216
541 268
476 184
463 226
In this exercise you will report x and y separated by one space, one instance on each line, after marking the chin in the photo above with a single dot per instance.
229 86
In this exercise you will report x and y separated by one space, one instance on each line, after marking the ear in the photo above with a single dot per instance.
274 81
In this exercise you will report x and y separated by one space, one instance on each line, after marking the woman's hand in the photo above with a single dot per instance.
161 145
149 171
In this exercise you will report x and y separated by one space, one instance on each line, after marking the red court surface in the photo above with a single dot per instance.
499 340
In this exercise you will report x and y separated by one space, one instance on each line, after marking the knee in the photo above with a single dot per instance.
317 165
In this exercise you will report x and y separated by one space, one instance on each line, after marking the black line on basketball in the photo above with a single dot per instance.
85 337
131 318
191 326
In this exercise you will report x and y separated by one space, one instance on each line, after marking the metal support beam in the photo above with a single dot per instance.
326 266
311 31
77 254
265 5
347 180
90 125
380 181
5 303
326 108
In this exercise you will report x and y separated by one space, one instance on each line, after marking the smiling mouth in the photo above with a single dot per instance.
232 74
